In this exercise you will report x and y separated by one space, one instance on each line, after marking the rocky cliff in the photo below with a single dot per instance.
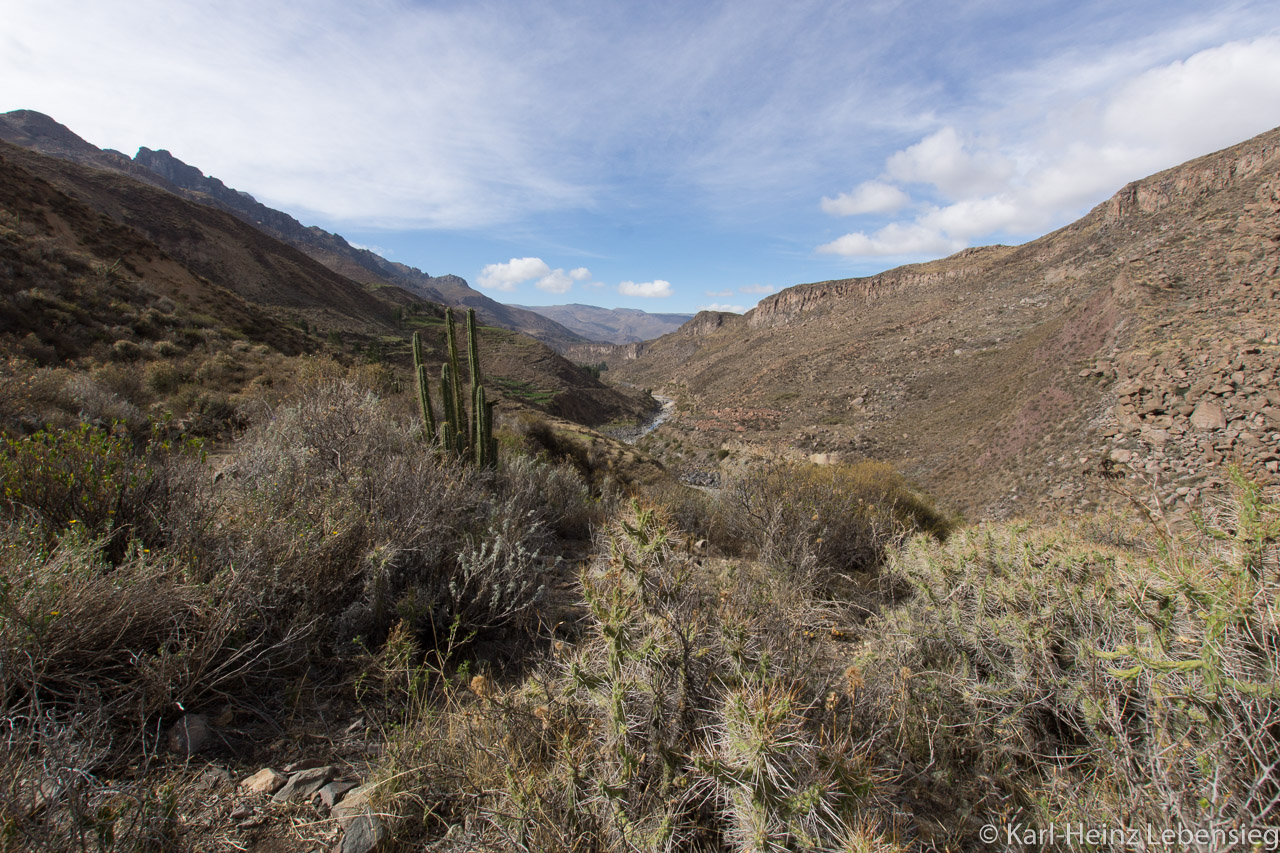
1136 345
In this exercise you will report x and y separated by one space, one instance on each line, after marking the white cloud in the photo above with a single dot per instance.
757 288
1227 93
716 306
957 167
513 273
894 239
866 197
1077 154
657 289
974 217
556 282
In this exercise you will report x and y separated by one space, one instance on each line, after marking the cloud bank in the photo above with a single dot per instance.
963 186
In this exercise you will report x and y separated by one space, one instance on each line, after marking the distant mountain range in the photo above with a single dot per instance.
39 132
610 325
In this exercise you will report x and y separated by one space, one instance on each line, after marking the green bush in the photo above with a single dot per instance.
83 476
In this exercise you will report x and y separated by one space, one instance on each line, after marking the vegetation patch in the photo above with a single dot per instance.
524 391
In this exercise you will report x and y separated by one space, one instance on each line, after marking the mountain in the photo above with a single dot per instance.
611 325
39 132
1141 340
91 258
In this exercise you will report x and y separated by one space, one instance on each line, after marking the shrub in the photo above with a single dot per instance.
823 521
1085 682
99 403
219 370
94 653
83 476
162 378
702 514
675 724
351 522
126 350
166 349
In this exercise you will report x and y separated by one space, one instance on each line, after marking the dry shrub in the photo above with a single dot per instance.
672 726
346 516
95 402
1044 679
31 397
93 656
702 514
554 493
162 378
825 521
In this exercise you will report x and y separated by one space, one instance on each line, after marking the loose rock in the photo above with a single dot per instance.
265 781
303 784
1208 416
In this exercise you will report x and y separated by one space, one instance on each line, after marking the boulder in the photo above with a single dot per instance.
330 795
362 835
1208 416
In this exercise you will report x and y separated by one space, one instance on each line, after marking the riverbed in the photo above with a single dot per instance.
633 434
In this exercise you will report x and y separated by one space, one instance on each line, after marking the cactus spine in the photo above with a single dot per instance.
468 438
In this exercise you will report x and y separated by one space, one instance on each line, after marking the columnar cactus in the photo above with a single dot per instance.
424 398
468 438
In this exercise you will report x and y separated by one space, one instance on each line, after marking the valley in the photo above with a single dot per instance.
882 564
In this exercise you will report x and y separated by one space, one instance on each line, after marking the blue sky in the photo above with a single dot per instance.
659 155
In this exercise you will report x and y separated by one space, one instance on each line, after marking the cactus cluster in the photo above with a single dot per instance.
468 438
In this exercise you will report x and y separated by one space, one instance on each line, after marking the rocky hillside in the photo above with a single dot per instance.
1140 341
611 325
90 258
39 132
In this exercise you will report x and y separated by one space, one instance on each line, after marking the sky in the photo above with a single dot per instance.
668 156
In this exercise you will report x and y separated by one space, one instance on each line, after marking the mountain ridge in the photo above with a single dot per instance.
611 325
1004 377
71 234
37 131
